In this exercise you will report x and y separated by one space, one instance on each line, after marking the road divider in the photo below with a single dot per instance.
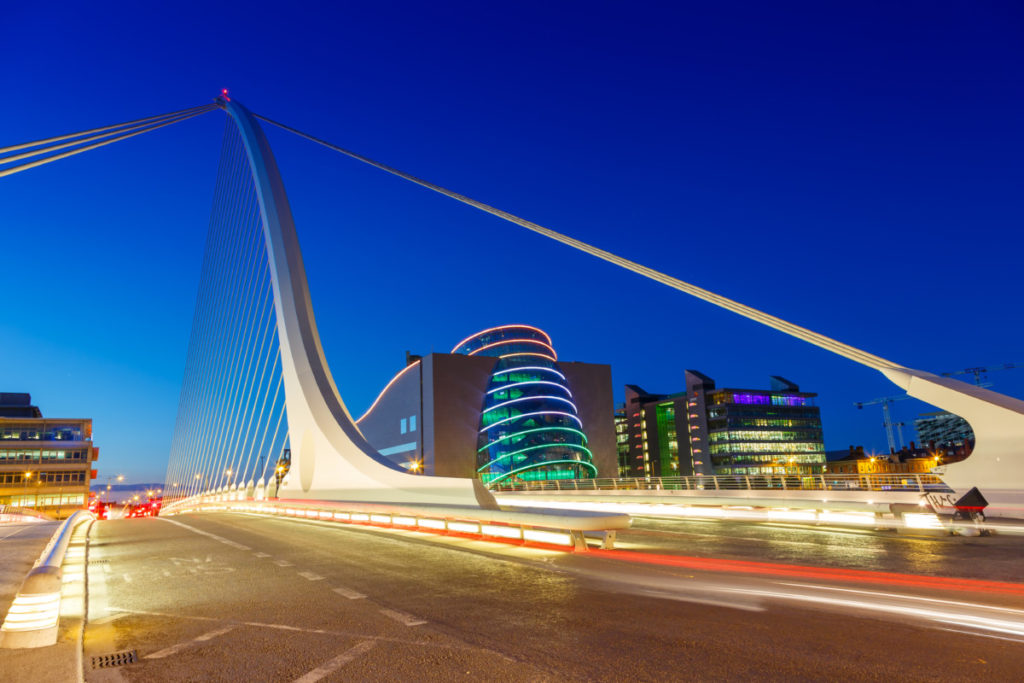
33 617
566 529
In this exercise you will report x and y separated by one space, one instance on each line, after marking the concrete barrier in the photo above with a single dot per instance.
549 527
33 617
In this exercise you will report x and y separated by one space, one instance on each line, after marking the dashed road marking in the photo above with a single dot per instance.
225 541
127 578
338 662
350 594
166 573
282 563
310 576
403 617
261 555
168 651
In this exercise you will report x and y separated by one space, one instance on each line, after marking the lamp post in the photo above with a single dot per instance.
28 481
119 477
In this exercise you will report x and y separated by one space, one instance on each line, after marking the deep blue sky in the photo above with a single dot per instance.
854 168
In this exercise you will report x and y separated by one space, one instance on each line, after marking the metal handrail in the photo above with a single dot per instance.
738 482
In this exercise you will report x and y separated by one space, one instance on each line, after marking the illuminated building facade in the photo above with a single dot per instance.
944 429
622 440
45 463
705 431
500 407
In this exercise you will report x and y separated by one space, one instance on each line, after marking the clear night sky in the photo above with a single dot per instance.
855 169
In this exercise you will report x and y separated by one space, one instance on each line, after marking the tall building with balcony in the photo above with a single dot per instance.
500 407
704 430
45 463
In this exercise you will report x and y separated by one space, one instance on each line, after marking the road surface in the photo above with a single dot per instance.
223 596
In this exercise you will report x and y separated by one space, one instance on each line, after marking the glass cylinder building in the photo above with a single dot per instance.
530 427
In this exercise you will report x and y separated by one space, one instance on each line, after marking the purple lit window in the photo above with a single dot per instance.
751 399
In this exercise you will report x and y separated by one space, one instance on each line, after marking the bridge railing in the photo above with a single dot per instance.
763 482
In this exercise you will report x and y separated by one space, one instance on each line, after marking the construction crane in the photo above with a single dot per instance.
887 418
979 371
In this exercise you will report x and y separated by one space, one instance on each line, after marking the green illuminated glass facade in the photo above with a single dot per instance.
530 428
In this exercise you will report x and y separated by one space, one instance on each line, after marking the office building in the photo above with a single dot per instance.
704 430
944 429
501 407
45 463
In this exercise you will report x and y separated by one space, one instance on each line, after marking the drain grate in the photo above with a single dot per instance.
99 561
114 659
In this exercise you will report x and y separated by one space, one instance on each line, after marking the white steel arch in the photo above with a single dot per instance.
330 457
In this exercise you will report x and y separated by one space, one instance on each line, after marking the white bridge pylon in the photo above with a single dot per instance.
331 460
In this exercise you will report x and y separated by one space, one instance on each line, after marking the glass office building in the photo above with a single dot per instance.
45 463
709 431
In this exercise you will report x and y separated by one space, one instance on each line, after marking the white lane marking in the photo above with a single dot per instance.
221 539
319 631
166 573
16 531
168 651
127 578
282 563
338 662
350 594
261 555
402 617
310 576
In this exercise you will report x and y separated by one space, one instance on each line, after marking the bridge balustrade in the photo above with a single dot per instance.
762 482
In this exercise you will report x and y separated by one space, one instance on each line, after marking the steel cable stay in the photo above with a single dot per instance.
820 340
117 135
91 138
82 133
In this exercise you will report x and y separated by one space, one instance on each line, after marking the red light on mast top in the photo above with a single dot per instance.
224 94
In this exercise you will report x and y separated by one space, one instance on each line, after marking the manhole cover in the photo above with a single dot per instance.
114 659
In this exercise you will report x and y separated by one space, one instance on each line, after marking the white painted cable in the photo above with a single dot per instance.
820 340
79 141
56 157
59 138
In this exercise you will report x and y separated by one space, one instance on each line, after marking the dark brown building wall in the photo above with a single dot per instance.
457 385
591 386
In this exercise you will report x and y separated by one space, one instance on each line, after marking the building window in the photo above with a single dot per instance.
404 425
412 423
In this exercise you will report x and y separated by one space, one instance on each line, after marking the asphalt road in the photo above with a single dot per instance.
223 596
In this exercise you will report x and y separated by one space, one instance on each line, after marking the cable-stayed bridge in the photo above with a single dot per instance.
257 385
